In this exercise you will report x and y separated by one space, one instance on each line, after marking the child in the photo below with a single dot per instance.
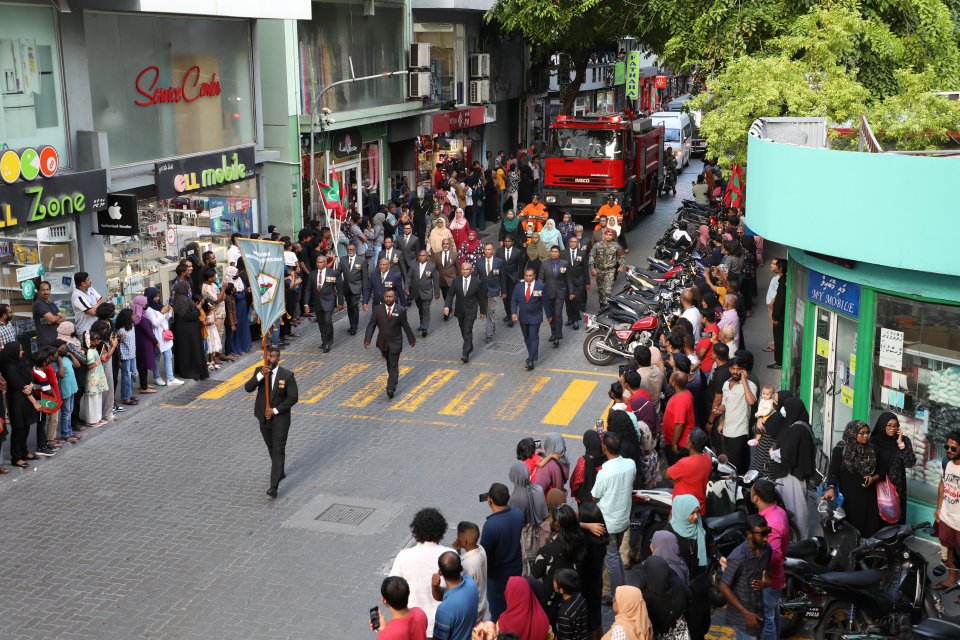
767 404
128 355
527 454
96 381
65 364
230 322
474 561
211 335
46 391
572 613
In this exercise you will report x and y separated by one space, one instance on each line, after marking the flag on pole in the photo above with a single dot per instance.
264 263
333 196
733 198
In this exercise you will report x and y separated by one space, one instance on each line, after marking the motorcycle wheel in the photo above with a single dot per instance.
790 619
836 622
594 355
716 597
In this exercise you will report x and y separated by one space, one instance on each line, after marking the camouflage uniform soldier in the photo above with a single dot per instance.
604 263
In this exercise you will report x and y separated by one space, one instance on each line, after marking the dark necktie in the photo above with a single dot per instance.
556 268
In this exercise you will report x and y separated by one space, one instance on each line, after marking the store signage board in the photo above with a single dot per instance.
633 75
29 272
345 145
833 293
28 289
447 121
120 218
193 173
891 349
191 87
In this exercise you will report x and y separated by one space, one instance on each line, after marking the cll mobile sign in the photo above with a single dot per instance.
181 176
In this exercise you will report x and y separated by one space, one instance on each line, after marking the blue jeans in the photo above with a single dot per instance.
614 563
743 635
66 417
164 359
771 614
128 368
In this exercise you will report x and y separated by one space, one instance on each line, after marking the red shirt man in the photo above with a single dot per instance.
690 476
679 411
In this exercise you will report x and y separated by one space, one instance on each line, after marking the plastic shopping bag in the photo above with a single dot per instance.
888 502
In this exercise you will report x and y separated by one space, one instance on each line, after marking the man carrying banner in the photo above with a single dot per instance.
273 411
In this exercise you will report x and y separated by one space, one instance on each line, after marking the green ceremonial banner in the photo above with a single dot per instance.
633 75
619 73
264 263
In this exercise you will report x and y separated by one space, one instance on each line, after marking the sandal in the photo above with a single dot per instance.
131 401
29 456
4 470
23 464
768 349
148 390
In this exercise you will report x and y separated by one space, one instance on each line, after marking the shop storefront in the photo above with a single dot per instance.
448 138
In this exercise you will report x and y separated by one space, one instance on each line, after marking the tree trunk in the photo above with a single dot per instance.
573 89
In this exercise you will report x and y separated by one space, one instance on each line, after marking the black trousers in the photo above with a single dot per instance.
19 433
738 452
466 330
325 323
142 372
507 313
778 342
423 308
275 436
353 309
393 368
555 308
576 306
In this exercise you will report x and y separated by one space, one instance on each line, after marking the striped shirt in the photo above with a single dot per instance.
7 333
128 345
572 619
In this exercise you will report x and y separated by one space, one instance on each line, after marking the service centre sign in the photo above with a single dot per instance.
31 190
183 176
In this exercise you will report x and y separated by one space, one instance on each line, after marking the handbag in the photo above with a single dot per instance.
888 502
167 334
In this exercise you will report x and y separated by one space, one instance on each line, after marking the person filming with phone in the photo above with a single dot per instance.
406 623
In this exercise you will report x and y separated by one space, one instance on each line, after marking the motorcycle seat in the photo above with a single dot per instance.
853 578
725 522
938 629
803 549
888 534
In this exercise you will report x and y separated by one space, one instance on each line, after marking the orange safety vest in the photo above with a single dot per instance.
608 211
534 211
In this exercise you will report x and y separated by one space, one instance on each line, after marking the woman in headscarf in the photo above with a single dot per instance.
591 568
438 235
554 466
631 620
159 315
567 229
796 451
564 551
853 472
666 598
529 499
188 341
549 236
894 455
703 241
511 227
748 271
768 430
241 336
23 408
536 253
686 526
471 250
459 227
585 472
146 342
664 545
524 616
65 332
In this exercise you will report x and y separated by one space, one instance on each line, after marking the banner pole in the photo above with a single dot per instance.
266 362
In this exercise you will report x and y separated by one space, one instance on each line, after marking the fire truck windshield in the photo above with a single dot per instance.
585 143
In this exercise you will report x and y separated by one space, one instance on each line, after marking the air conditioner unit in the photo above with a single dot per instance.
479 65
419 85
479 91
419 55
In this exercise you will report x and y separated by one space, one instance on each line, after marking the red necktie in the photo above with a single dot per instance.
528 292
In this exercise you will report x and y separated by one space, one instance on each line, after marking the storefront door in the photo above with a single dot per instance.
834 368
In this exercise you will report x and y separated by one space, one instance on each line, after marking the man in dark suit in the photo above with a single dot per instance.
324 294
448 265
527 309
355 280
583 239
555 275
514 260
423 287
422 207
390 319
470 295
380 281
393 256
408 245
274 424
490 270
579 271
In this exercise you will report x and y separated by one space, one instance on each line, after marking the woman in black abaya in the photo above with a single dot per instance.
188 359
894 455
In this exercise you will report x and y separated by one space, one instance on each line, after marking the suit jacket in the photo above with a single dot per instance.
356 280
283 396
376 286
528 312
451 271
555 284
496 280
396 261
584 243
329 293
423 288
467 302
513 268
579 270
390 336
408 250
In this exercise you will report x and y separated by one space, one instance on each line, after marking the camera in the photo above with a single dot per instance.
538 445
484 497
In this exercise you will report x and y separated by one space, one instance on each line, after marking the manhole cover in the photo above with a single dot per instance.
345 514
193 391
505 347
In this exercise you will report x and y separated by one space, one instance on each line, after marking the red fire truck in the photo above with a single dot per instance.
590 157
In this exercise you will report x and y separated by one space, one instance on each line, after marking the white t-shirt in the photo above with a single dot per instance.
475 564
696 319
233 254
81 302
736 417
950 509
772 289
417 565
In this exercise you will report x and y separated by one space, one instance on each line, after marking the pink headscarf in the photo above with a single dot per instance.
137 306
65 332
727 236
705 235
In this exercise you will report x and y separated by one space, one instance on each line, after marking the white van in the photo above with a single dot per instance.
678 133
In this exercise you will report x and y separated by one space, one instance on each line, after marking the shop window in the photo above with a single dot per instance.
446 58
917 377
798 288
341 32
31 105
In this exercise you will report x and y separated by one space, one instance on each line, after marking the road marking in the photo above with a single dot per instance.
464 401
423 390
340 376
564 410
510 409
370 392
584 373
232 383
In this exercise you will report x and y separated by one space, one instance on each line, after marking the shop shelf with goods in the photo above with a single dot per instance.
53 247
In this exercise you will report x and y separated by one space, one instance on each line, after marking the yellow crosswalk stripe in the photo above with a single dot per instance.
329 384
564 409
423 390
369 393
513 407
232 383
464 401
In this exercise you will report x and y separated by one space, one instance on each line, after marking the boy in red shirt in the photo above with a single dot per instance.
690 474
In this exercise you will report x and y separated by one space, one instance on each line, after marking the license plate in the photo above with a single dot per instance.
580 200
812 613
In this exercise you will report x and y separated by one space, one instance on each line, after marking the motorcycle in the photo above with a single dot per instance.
608 338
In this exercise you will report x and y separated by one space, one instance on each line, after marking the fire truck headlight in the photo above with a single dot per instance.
551 199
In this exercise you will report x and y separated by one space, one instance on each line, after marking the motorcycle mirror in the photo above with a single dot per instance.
750 476
723 458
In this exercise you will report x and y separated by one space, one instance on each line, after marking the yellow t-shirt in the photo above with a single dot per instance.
501 179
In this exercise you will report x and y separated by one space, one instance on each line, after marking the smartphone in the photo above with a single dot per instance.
598 425
538 444
484 497
375 617
623 369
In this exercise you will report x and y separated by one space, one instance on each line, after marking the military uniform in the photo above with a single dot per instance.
604 257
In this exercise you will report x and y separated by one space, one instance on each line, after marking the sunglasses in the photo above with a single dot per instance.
761 534
953 449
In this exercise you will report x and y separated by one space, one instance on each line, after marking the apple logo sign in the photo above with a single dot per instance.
114 211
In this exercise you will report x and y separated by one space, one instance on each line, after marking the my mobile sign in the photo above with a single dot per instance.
181 176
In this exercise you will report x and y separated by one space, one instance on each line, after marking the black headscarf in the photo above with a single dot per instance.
14 368
665 595
796 445
879 438
776 422
592 459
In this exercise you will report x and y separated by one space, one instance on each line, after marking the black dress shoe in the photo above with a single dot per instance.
272 492
423 333
576 326
510 324
352 332
325 348
529 365
464 359
506 321
556 343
